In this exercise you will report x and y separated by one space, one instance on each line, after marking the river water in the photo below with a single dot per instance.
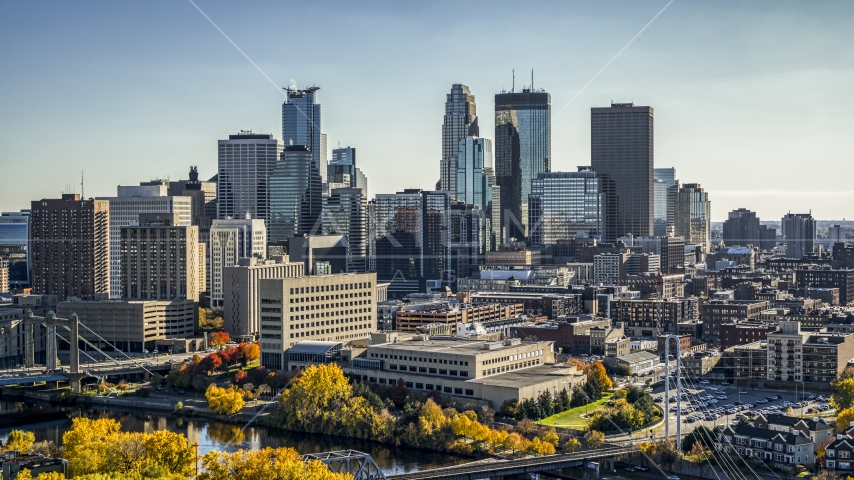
51 422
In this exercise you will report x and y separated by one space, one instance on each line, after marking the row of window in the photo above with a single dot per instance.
330 288
421 386
419 359
432 371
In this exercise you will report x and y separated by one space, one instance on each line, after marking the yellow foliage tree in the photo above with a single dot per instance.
251 352
49 476
171 451
87 442
264 464
20 440
844 419
572 445
597 370
539 447
126 453
224 401
574 362
24 474
594 438
549 434
314 392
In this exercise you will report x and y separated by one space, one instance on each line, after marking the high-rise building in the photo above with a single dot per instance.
411 235
460 122
246 161
523 150
126 207
70 247
659 215
346 214
741 228
563 205
232 239
295 196
668 211
621 153
241 308
14 235
342 169
767 238
473 185
799 231
301 125
203 193
693 215
470 239
159 259
4 275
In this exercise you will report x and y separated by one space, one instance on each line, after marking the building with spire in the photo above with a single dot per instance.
460 121
301 124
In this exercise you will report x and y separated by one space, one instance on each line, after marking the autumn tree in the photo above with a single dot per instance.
224 401
241 377
526 426
20 440
844 419
594 439
317 393
843 394
170 451
219 338
574 362
251 352
267 463
572 445
597 372
87 442
549 434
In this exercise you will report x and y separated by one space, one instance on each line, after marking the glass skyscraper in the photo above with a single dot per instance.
472 182
522 151
693 215
460 121
667 209
621 152
346 214
563 204
295 196
344 163
301 125
659 217
245 163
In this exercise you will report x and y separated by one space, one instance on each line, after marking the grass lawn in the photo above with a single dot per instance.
572 418
233 370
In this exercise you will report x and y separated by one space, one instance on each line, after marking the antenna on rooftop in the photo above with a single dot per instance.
513 86
532 79
81 185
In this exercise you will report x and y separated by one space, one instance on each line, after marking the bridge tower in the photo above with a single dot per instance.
52 322
678 390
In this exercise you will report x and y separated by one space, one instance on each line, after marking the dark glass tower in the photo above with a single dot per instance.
741 228
621 151
523 148
295 196
301 124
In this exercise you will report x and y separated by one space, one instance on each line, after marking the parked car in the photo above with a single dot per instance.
640 468
704 382
724 383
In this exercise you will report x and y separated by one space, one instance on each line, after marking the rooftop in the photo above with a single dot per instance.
528 376
455 346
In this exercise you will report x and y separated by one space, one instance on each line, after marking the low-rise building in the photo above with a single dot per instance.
645 318
701 363
715 313
548 305
779 448
641 363
827 278
570 337
732 334
746 365
813 359
453 313
816 428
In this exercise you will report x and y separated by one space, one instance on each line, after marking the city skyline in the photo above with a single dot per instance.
164 113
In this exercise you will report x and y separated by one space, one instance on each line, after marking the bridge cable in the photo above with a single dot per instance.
133 361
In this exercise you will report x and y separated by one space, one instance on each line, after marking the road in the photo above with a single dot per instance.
110 366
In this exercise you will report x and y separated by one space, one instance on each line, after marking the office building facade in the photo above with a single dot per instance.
693 215
232 239
799 230
245 162
622 154
241 308
460 121
14 238
346 214
472 184
741 228
70 247
342 169
522 151
563 205
296 199
301 125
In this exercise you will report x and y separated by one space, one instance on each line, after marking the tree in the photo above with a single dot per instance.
21 441
578 397
51 476
844 419
701 434
267 463
320 389
127 452
597 371
241 377
399 393
572 445
224 401
623 370
219 338
661 451
170 451
549 434
199 382
210 363
24 474
251 352
574 362
544 403
562 402
526 426
87 442
594 439
843 394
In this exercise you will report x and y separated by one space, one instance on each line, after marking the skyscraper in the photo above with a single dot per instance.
14 235
668 211
460 121
563 204
125 208
799 231
295 196
346 214
344 163
523 147
472 183
621 152
660 204
301 124
741 228
70 247
232 239
693 215
246 161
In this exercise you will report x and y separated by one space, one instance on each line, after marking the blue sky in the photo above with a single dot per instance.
753 101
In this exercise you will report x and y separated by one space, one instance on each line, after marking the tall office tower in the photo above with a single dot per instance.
125 208
70 247
835 234
621 151
523 150
344 163
767 238
159 259
14 235
232 239
295 196
660 204
301 124
411 235
693 215
346 214
460 122
741 228
203 193
472 183
470 239
798 234
4 275
668 175
241 309
563 205
246 161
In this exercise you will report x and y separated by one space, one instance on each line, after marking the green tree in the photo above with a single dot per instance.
843 394
562 402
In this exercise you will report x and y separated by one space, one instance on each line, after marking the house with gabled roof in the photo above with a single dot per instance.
840 452
770 446
816 428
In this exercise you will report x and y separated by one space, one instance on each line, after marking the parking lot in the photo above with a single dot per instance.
723 404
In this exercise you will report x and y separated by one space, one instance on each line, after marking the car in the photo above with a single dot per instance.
640 468
181 392
714 389
147 364
811 397
629 469
743 392
673 477
704 382
658 399
672 400
724 383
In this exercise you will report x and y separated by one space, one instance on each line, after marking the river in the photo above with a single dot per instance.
51 422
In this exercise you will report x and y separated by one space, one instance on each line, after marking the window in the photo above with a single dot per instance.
458 391
447 390
419 386
453 373
422 369
408 384
392 366
443 372
429 386
432 370
470 392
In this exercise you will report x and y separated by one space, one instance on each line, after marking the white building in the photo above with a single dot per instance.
241 301
609 267
125 208
232 239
